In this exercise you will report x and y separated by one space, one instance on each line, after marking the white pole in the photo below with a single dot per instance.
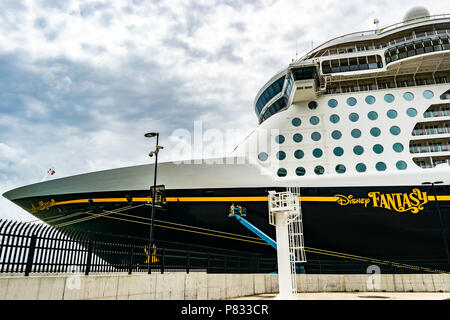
283 257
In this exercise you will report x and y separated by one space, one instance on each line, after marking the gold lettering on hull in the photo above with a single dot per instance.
42 205
400 202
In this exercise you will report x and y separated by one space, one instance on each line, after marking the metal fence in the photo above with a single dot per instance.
39 248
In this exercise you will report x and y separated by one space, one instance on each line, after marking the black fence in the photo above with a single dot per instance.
39 248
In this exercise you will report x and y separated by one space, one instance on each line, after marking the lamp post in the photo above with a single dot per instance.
444 237
155 153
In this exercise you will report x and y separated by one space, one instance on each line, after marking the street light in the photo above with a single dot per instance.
151 154
444 237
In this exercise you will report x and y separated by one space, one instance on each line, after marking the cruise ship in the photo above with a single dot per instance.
360 123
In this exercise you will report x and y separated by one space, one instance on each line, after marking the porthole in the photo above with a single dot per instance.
401 165
361 167
408 96
411 112
428 94
338 151
392 114
279 139
398 147
281 155
299 154
319 170
358 150
380 166
312 105
332 103
300 171
317 153
375 132
334 118
314 120
336 134
395 130
263 156
353 117
351 101
389 98
282 172
297 137
296 122
356 133
315 136
378 148
370 99
372 115
340 168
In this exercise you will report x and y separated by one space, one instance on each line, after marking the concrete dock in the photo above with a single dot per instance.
207 286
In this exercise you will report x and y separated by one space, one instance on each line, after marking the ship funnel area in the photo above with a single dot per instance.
415 14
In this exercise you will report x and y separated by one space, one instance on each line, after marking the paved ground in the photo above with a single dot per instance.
359 296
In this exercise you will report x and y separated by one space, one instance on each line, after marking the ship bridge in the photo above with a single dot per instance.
414 52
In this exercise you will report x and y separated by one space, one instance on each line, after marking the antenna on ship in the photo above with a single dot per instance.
376 22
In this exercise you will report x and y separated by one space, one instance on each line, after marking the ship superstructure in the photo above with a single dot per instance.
358 124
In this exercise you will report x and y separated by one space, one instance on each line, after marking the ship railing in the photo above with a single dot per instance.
372 32
383 86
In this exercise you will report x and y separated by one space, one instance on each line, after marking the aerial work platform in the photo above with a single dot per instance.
285 215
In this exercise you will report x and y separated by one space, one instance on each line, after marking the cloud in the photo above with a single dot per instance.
82 81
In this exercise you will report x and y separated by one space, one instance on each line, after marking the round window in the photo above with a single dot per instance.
375 132
358 150
411 112
356 133
315 136
263 156
401 165
351 101
317 153
395 130
380 166
334 118
299 154
281 155
279 139
282 172
370 99
319 170
378 148
372 115
332 103
353 117
392 114
297 137
300 171
312 105
398 147
408 96
389 98
338 151
336 134
296 122
314 120
340 168
428 94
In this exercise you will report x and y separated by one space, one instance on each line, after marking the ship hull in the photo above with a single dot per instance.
394 223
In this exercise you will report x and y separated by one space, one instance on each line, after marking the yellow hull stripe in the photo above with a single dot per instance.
217 199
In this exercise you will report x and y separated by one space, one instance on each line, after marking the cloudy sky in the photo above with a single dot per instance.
82 81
